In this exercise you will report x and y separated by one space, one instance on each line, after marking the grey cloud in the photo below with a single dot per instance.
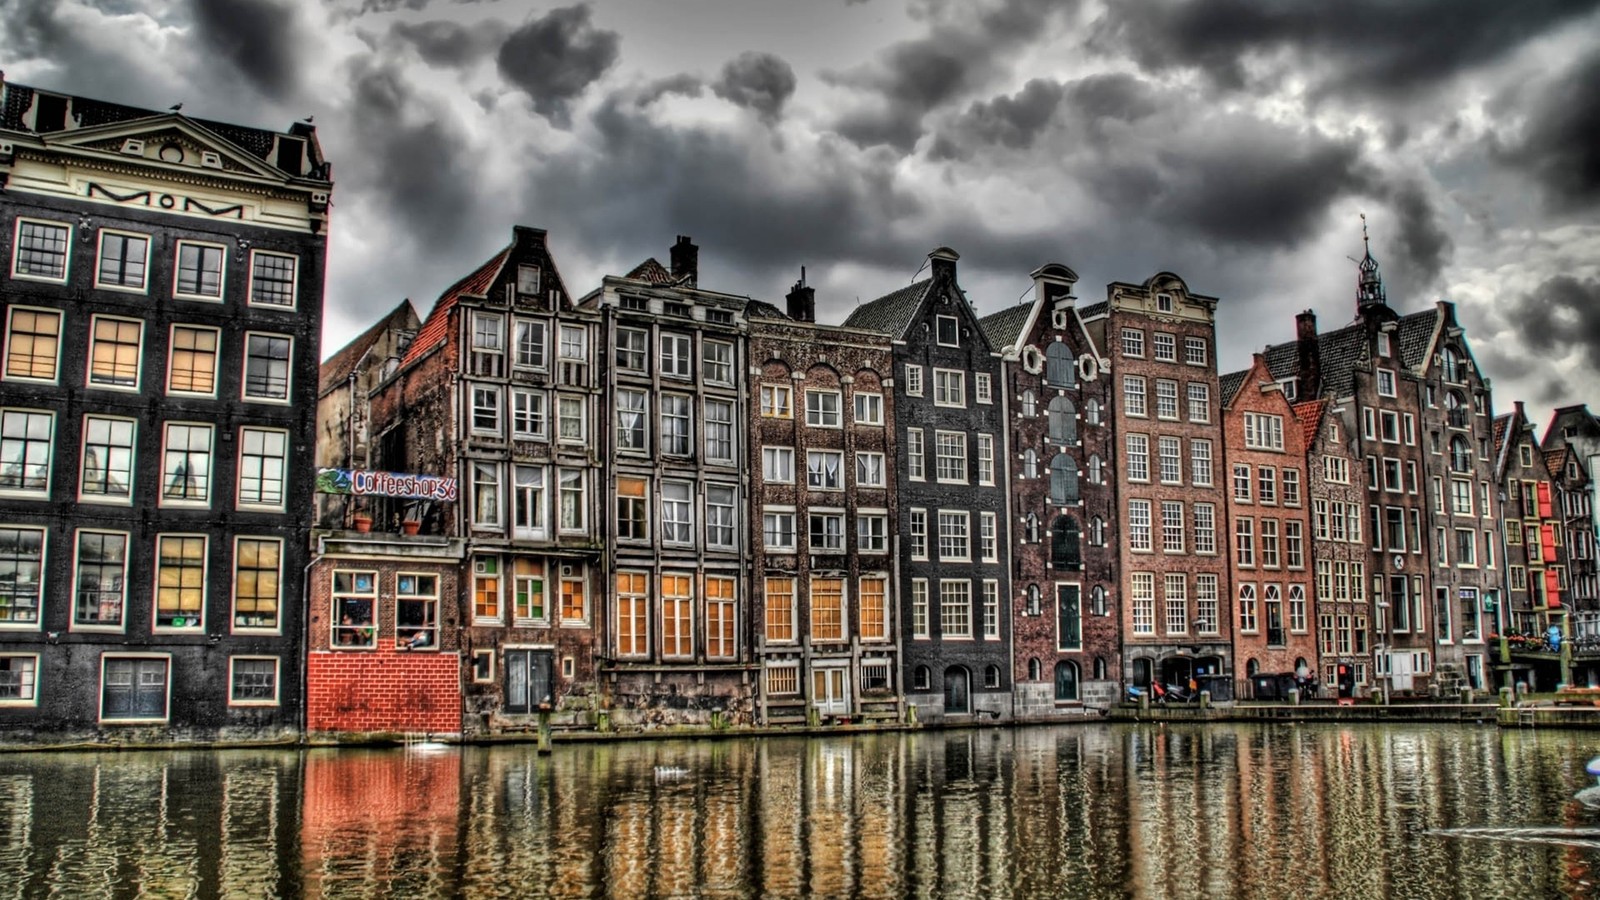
1376 47
257 37
554 58
445 43
1423 247
1560 316
758 81
1560 146
1009 120
1112 96
683 84
917 76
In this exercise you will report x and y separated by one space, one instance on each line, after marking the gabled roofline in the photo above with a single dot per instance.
76 138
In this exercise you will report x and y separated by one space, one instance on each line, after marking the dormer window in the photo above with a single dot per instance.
1383 345
528 280
1164 303
947 331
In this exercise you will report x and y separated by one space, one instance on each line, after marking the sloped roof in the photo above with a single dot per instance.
1555 460
1502 447
892 313
1095 309
336 368
1005 327
1342 350
1415 334
1230 383
1309 415
650 270
433 330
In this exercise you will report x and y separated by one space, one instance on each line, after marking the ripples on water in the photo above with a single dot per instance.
1093 811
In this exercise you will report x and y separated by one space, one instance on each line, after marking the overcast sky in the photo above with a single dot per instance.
1234 142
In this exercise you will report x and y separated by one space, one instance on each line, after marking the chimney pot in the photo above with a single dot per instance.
802 300
944 263
686 261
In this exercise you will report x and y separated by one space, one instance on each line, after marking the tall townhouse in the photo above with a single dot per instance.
1055 393
495 402
950 480
822 488
1264 452
1575 428
1536 579
1161 338
162 303
675 647
1457 416
1367 370
1337 496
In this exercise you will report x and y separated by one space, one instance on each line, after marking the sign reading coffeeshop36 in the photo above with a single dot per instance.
362 483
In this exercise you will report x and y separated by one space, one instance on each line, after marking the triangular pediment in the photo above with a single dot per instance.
169 140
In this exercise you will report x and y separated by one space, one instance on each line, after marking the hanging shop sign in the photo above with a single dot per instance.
362 483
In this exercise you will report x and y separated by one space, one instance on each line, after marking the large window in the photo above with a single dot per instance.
1199 402
1063 480
822 409
777 464
915 467
107 459
1166 399
21 567
1200 462
780 610
1138 454
869 469
192 365
675 430
677 512
954 536
777 530
633 508
1133 395
199 272
573 516
25 450
1063 421
528 416
675 356
114 352
1058 368
102 574
720 517
955 608
41 250
633 614
272 281
33 344
1139 538
721 610
530 345
416 611
134 688
186 464
873 589
1143 602
486 409
824 470
951 458
716 366
1170 454
257 582
485 495
777 401
19 679
677 616
632 415
1175 587
528 603
949 387
355 609
266 366
869 408
827 609
528 503
180 581
1263 432
719 431
263 459
826 531
253 681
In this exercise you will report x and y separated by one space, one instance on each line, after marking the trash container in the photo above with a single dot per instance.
1265 687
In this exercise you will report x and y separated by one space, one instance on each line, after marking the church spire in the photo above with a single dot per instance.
1369 288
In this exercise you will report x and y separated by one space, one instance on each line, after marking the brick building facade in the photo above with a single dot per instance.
1336 487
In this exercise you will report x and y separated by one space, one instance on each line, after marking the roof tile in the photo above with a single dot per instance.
433 331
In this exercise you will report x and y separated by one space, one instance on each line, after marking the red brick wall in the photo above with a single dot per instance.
383 690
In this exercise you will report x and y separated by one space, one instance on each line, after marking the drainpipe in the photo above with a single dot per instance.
305 634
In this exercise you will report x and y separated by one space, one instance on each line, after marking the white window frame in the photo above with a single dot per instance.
31 685
89 381
10 336
16 250
101 689
167 472
817 413
277 671
216 357
294 279
868 408
262 497
288 370
222 271
130 449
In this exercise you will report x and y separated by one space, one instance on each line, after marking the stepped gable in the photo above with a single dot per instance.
892 313
1228 385
434 328
1309 415
336 368
1005 327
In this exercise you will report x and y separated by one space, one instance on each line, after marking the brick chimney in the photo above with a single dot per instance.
686 261
944 263
1308 355
802 300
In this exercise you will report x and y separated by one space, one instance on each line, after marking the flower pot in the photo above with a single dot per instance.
363 523
410 526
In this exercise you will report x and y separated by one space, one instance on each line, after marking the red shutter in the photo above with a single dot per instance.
1552 589
1547 539
1544 500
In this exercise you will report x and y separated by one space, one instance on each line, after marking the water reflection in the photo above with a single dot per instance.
1267 811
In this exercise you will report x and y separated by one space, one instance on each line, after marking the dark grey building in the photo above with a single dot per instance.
951 477
162 304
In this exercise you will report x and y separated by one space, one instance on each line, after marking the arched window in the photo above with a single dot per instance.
1058 368
1091 411
1097 532
920 679
1030 406
1065 540
1033 599
1034 669
1099 668
1460 454
1030 529
1030 463
1251 668
1063 479
1454 371
1063 421
1097 474
991 676
1066 681
1097 603
1455 407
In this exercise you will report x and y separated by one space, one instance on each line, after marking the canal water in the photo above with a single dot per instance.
1222 810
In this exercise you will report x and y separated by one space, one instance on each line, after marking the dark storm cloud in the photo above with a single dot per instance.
1421 243
1374 46
1560 316
683 84
442 42
758 81
256 37
1011 121
917 76
415 164
1560 145
554 58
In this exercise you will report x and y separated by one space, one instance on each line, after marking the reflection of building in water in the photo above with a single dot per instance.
382 821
